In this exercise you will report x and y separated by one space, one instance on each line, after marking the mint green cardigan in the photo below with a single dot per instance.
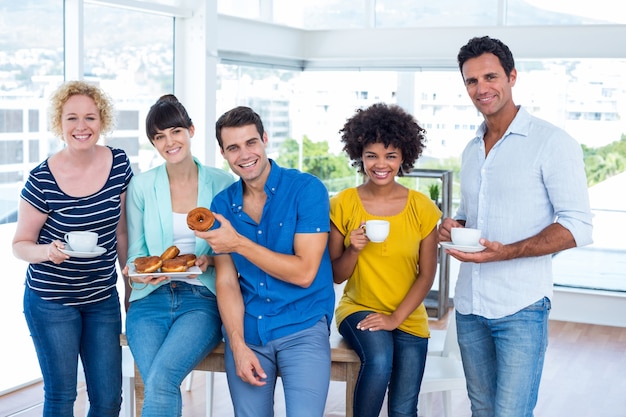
149 217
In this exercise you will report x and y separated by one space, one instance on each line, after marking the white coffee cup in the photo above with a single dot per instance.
82 241
465 236
377 230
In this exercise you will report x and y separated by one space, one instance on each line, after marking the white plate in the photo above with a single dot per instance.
194 270
75 254
467 249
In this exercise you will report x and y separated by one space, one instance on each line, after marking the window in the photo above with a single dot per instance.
128 53
308 108
134 64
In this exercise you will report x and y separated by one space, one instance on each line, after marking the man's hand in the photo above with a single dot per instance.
494 251
248 367
224 239
445 227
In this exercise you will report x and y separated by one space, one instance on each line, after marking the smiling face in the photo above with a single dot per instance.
244 149
488 86
381 164
174 143
80 121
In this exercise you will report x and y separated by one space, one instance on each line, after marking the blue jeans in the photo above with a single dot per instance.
62 333
303 360
503 360
169 332
389 359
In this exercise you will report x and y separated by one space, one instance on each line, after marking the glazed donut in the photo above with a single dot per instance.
170 253
174 265
189 258
200 219
147 264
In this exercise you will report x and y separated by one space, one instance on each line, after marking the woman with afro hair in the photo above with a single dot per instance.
381 313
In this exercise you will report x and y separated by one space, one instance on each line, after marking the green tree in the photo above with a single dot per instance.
605 161
334 170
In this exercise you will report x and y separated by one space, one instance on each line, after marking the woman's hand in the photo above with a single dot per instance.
377 321
54 252
358 239
204 261
143 279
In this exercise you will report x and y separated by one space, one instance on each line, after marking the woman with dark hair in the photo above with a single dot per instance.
172 322
381 313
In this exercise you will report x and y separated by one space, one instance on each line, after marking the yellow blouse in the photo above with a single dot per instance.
385 271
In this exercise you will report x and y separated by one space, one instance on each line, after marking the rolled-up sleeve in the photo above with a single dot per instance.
566 184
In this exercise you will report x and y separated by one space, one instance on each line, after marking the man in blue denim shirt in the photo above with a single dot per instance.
273 277
523 185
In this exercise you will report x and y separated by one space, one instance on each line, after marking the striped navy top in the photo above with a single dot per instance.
77 280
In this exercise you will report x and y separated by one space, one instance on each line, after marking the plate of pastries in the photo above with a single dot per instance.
170 263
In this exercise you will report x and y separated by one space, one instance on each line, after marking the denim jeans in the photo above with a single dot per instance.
303 360
169 332
389 359
61 333
503 360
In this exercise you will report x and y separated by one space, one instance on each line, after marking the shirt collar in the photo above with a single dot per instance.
271 186
273 179
519 126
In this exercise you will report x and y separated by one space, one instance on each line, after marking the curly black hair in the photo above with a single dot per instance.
388 124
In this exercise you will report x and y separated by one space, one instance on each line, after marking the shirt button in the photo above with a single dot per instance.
261 284
260 232
260 317
268 300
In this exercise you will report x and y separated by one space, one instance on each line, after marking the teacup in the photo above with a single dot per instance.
377 230
464 236
82 241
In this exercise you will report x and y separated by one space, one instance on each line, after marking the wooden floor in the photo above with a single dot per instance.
584 376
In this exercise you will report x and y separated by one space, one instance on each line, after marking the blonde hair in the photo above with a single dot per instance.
83 88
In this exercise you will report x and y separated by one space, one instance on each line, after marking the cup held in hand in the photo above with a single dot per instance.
82 241
377 230
464 236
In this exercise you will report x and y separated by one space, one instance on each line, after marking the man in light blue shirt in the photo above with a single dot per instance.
523 185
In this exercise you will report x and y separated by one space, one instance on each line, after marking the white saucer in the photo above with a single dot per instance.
75 254
467 249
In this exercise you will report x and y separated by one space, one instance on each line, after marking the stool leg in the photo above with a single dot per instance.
447 403
210 380
128 382
189 380
128 388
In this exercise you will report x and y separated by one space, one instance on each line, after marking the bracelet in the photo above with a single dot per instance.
131 283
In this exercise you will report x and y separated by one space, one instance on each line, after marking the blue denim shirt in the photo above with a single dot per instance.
532 177
296 203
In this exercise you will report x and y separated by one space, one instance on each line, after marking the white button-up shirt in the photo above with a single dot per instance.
533 176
